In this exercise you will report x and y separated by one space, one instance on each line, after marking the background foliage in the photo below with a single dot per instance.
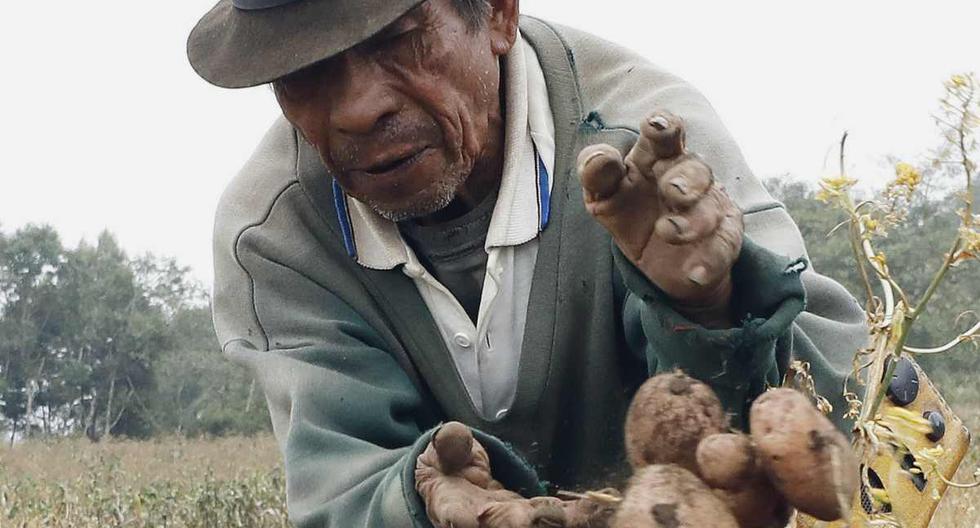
915 251
95 342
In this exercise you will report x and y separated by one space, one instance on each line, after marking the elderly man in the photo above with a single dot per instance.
416 243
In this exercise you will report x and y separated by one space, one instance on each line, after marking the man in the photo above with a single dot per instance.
412 245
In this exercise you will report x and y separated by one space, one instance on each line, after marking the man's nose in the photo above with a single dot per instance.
364 97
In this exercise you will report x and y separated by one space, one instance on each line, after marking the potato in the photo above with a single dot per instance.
668 496
668 417
726 460
808 460
757 504
728 464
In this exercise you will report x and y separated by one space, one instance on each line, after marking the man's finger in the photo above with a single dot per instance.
453 443
661 138
695 223
728 237
453 502
455 452
718 252
601 169
685 183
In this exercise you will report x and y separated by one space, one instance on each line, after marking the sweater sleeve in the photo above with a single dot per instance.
349 420
346 420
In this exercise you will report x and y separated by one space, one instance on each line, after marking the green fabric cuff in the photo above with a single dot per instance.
506 466
737 362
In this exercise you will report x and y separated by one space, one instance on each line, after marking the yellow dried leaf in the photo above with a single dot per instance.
837 183
907 176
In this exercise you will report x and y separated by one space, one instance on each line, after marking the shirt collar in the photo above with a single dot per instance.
523 203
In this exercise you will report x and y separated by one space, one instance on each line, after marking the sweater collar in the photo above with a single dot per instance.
523 203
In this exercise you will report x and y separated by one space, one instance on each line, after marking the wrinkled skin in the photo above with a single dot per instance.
668 216
410 121
453 477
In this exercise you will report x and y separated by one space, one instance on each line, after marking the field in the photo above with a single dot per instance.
961 508
238 481
234 482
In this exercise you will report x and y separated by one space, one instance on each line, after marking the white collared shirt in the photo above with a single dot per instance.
486 355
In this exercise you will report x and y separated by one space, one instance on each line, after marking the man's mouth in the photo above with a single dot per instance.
395 163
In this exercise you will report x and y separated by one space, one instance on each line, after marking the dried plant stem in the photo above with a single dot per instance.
960 485
936 280
965 336
961 133
856 249
967 218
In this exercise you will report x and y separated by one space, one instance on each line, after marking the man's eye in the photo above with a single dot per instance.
395 37
298 85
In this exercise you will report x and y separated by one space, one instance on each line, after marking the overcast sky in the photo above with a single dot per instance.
105 125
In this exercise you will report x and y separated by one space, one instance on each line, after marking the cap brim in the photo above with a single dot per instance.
235 48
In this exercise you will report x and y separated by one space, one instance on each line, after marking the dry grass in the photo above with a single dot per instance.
238 481
961 507
170 482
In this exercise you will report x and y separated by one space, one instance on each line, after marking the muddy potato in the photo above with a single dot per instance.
668 417
726 460
728 464
668 496
808 460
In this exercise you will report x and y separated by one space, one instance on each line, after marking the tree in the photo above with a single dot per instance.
93 341
198 390
31 317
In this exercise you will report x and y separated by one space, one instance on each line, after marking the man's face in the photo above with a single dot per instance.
402 118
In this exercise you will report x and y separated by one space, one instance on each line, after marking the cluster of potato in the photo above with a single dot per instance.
691 472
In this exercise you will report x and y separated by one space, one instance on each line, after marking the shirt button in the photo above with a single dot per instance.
462 340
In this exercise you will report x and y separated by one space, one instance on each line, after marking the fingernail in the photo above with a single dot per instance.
680 185
659 122
698 275
679 224
592 156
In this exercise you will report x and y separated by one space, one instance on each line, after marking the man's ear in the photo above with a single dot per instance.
504 18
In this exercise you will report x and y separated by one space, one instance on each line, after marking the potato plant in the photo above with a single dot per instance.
896 431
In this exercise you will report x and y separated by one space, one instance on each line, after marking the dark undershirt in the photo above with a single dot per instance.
453 252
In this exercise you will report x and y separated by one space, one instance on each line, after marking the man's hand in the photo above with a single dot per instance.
666 214
453 477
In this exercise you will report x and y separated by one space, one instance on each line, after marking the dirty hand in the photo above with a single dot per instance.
453 478
668 216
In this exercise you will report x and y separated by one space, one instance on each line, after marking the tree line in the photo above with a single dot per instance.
94 342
